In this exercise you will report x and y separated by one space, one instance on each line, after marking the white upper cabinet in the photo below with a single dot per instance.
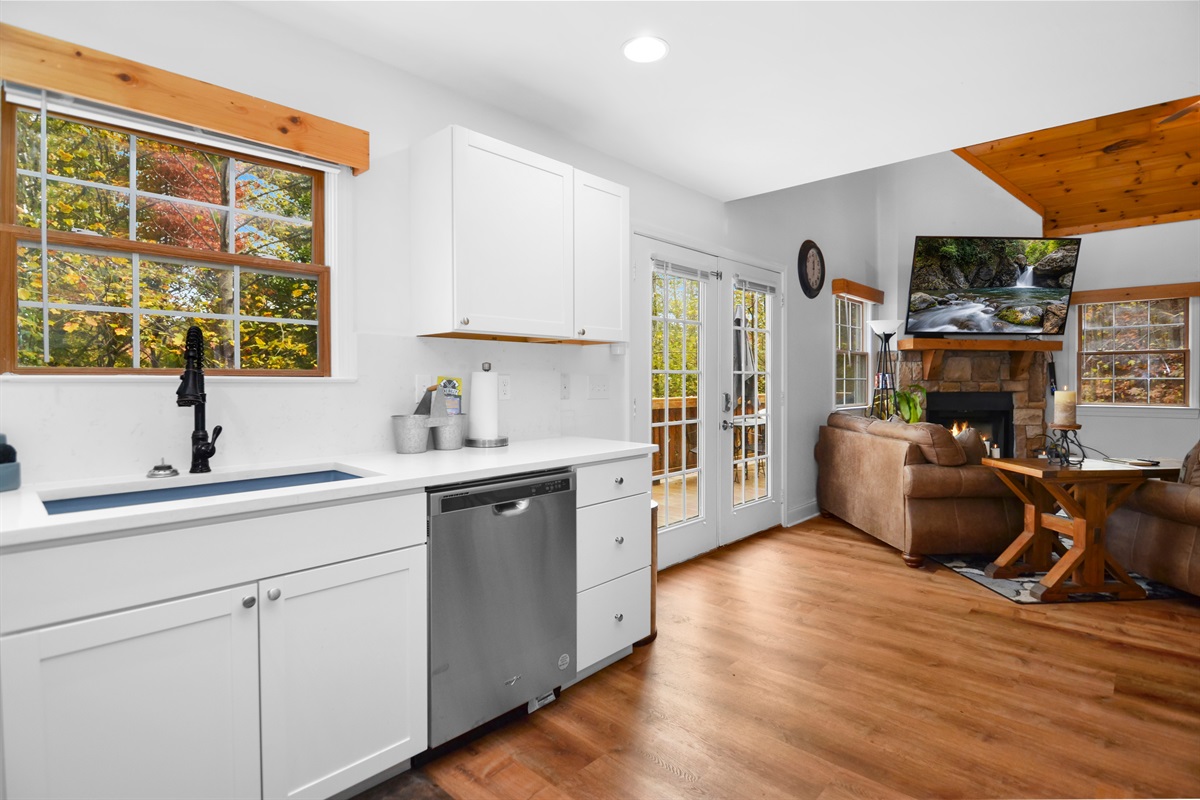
601 259
506 242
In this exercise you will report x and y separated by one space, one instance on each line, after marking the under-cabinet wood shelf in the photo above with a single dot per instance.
933 350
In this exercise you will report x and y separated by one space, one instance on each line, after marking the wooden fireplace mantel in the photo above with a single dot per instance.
1022 350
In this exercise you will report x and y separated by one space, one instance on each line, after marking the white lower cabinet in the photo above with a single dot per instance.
343 673
158 702
163 701
612 558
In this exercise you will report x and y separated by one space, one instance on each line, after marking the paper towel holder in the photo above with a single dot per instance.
499 441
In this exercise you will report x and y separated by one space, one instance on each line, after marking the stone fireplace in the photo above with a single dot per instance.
988 371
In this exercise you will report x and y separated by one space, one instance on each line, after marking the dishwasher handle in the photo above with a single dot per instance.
511 509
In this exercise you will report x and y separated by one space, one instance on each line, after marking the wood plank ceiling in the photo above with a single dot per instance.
1138 167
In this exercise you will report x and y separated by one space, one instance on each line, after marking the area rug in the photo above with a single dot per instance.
1018 589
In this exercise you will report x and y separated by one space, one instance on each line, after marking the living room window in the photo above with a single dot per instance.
1134 352
120 241
851 360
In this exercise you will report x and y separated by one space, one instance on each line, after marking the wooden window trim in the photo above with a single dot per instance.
43 62
11 234
1118 296
859 291
1160 292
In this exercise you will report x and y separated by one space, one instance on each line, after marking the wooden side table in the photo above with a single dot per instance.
1088 492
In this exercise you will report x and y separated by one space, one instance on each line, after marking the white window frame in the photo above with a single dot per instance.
838 354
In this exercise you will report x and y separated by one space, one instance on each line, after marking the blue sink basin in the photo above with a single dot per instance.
117 500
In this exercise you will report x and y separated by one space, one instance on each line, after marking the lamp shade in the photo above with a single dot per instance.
882 327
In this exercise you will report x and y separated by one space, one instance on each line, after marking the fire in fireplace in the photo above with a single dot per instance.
990 413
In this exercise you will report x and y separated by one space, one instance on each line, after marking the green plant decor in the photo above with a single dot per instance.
907 403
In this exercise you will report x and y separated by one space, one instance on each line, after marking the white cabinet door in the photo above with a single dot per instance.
344 687
601 259
158 702
513 232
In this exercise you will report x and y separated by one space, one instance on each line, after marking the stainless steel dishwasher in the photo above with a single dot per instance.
501 598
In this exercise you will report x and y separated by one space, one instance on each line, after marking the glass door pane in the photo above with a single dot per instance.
676 383
751 390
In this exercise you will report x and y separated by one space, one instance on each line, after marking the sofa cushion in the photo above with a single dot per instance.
1190 472
850 422
930 481
974 450
937 444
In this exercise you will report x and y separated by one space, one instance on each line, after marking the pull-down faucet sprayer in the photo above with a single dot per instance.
191 393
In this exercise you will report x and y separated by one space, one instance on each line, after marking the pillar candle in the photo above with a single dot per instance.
1064 407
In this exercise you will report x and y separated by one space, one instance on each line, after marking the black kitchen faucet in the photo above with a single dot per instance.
191 393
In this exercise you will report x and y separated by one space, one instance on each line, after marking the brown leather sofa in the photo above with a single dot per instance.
911 487
1156 532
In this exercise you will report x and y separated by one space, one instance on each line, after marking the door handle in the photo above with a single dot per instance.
511 509
726 424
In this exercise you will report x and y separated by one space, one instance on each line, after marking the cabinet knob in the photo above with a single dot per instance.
249 601
620 540
466 320
274 594
583 331
618 616
619 481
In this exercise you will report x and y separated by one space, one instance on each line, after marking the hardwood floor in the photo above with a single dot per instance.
809 662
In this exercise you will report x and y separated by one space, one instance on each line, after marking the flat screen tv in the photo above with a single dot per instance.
990 285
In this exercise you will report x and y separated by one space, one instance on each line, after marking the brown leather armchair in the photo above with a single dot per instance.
1156 532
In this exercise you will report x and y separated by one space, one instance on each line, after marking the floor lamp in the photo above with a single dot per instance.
883 389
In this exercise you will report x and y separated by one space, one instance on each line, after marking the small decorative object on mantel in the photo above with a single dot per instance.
810 266
1064 407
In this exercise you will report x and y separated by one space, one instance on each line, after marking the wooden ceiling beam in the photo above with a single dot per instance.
1054 230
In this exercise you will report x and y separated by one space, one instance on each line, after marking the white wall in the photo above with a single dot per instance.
840 216
73 427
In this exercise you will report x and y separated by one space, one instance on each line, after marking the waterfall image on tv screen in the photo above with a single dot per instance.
982 284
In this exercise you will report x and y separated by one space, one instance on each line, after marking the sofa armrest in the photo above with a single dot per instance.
932 481
1179 502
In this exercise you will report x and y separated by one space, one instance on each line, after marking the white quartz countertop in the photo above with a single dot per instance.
25 523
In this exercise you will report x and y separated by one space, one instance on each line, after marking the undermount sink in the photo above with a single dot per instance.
93 502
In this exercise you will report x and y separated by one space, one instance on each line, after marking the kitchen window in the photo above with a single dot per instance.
850 355
1134 352
118 241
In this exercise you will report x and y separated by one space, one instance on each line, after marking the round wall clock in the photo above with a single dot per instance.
811 268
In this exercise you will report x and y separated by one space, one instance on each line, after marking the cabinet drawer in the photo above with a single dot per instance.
611 480
612 616
613 540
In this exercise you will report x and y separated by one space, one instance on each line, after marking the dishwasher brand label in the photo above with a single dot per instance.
564 661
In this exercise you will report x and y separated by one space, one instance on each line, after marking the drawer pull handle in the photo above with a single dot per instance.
620 540
466 320
618 616
274 594
619 481
583 331
249 601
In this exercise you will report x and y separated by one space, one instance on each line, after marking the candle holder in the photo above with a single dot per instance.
1063 438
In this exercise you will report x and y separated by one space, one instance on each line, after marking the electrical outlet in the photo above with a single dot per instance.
504 386
566 386
598 387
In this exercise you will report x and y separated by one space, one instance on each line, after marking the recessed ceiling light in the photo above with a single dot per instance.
645 49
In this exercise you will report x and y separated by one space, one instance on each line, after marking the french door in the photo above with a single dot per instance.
709 358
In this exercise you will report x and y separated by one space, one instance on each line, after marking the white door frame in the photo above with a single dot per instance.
676 545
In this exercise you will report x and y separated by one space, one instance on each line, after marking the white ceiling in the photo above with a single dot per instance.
759 96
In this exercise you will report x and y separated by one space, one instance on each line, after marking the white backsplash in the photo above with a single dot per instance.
71 428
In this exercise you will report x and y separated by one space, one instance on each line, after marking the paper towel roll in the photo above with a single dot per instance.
483 418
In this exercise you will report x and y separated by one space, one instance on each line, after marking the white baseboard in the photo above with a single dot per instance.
798 514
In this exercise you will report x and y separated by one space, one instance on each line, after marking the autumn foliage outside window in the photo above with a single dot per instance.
850 354
1134 352
121 241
